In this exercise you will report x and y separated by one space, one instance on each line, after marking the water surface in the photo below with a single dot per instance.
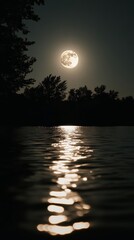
67 182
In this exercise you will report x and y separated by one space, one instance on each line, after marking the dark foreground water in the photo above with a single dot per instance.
66 182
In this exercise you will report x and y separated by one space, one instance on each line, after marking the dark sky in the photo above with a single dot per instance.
101 33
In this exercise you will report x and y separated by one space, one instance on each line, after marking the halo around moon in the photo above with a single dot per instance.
69 59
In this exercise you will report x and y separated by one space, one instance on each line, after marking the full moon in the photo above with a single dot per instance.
69 59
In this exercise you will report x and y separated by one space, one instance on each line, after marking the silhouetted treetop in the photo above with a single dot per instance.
51 89
79 95
100 90
129 100
113 95
99 96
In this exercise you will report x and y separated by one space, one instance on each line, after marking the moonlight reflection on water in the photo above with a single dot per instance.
69 181
65 205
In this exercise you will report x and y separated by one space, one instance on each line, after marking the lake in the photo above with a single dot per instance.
67 182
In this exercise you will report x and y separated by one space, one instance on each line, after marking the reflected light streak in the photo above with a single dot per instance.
81 225
62 230
68 129
58 193
63 181
72 176
55 229
57 219
68 178
64 203
55 208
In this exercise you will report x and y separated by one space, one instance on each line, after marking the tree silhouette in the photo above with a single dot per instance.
129 100
113 95
45 105
34 94
15 64
100 96
72 97
51 89
83 94
100 90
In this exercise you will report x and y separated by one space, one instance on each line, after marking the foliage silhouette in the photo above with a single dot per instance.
51 89
113 95
47 105
15 64
82 107
80 95
100 90
102 97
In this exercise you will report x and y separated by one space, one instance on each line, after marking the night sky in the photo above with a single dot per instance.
101 33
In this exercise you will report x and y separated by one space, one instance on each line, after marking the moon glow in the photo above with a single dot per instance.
69 59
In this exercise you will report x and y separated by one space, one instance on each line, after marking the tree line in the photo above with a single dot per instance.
49 104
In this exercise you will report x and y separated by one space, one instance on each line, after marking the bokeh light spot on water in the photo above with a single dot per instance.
55 208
